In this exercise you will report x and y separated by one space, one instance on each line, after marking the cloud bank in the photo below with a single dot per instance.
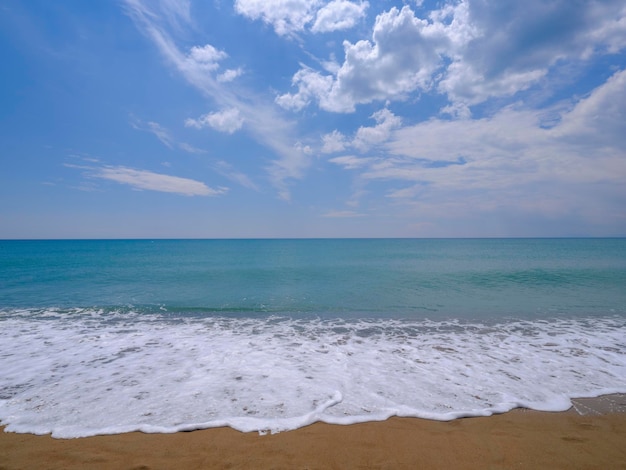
470 51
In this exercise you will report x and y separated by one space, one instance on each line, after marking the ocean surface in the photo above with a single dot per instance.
101 337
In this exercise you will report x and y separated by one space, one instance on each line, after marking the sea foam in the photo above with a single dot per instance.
86 372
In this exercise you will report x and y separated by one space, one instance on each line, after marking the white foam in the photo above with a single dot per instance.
83 373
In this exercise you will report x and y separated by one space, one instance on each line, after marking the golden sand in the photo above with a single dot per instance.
518 439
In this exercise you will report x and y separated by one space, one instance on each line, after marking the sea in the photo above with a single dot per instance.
161 336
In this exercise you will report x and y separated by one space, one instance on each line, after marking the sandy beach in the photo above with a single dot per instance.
591 435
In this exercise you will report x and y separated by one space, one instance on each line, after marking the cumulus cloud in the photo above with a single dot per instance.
311 84
229 75
469 51
402 56
365 137
333 142
206 57
147 180
285 16
228 120
338 15
288 17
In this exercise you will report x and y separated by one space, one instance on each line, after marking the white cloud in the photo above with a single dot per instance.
366 137
143 179
333 142
470 51
510 161
175 13
283 169
229 75
338 15
285 16
227 170
161 133
403 55
190 148
206 57
514 47
310 84
164 135
288 17
264 124
611 34
597 122
465 86
350 162
228 120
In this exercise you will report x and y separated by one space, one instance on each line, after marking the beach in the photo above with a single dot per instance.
517 439
313 354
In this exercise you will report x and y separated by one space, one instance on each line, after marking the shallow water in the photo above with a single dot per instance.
112 336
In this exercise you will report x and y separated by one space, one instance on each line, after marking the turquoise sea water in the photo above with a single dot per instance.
101 336
346 278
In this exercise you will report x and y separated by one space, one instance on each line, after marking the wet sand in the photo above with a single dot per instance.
592 435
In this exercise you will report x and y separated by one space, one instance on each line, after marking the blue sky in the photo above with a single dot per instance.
312 118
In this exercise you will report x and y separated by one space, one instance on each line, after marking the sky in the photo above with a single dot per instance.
312 118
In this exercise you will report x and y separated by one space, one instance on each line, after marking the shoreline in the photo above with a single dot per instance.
591 434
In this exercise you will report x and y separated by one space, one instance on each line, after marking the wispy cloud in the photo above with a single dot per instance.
143 179
342 214
150 181
201 67
164 135
445 169
350 162
227 170
190 148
